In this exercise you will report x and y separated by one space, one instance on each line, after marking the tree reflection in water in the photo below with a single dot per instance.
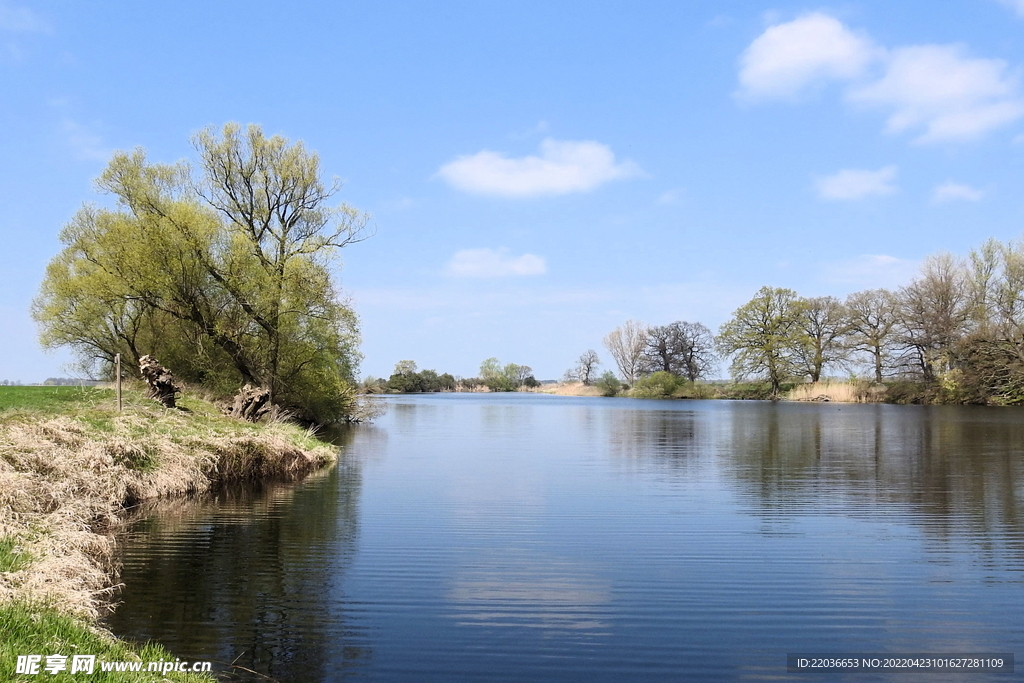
189 584
956 471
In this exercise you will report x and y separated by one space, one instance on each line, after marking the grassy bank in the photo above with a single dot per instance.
69 464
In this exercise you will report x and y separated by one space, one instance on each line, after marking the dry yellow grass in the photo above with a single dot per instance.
837 392
566 389
65 479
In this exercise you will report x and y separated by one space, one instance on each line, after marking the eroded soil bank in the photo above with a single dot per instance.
69 470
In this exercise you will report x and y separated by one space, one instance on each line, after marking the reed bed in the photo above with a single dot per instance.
566 389
838 392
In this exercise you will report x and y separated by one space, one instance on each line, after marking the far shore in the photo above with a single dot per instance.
825 391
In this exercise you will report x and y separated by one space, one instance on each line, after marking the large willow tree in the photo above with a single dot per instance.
222 271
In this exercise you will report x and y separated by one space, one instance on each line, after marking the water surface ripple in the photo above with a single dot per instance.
536 538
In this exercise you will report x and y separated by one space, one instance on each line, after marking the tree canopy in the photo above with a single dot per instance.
765 338
223 272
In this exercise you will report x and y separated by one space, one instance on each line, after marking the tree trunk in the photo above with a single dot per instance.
160 380
250 404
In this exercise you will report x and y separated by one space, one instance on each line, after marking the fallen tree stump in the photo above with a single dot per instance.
160 380
250 404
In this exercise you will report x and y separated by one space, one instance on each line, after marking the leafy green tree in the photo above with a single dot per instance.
405 380
490 368
824 322
405 367
498 377
224 273
492 375
764 337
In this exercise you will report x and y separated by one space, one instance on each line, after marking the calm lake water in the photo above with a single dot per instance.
536 538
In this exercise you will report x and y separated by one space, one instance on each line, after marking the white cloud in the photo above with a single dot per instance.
493 263
851 183
564 166
789 57
21 20
950 191
941 89
870 270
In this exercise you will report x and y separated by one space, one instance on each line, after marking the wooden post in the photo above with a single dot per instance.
117 363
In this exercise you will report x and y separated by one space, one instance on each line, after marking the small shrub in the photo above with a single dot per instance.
906 392
659 385
752 391
609 384
694 390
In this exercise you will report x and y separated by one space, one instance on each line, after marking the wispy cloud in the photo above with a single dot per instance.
940 91
87 145
950 191
945 92
494 263
21 20
869 270
673 196
563 167
540 128
851 184
1016 5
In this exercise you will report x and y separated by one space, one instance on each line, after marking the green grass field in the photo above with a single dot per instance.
50 399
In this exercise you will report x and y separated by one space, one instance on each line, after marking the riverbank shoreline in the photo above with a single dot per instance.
824 391
837 392
69 471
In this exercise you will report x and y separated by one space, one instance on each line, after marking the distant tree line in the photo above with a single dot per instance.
69 382
957 330
494 376
406 379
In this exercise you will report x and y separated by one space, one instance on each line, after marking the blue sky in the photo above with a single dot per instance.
540 172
